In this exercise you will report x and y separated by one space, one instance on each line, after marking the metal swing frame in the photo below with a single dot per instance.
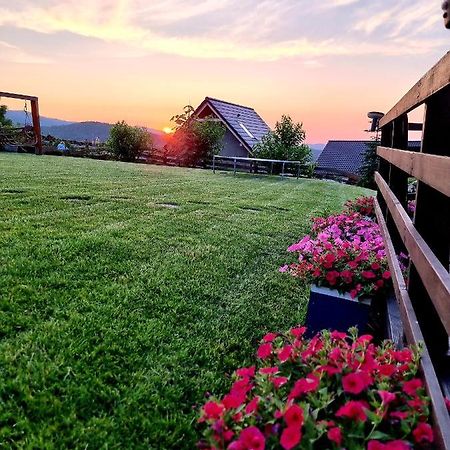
34 115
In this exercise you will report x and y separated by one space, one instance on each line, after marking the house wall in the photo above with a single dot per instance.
232 147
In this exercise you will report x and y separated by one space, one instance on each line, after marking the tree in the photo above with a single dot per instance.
127 142
369 166
195 140
4 122
285 142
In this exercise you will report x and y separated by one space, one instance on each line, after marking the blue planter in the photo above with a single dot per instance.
328 309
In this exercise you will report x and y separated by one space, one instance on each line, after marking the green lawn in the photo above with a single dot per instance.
128 291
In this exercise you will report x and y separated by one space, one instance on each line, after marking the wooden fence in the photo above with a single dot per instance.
423 298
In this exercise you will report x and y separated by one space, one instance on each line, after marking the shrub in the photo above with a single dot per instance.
335 391
195 141
286 142
127 142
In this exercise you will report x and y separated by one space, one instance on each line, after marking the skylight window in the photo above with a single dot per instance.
246 130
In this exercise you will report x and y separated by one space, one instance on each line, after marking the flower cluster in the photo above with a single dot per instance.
362 205
334 391
343 252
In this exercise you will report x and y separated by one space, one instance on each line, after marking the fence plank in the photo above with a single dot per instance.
433 274
433 81
433 170
414 336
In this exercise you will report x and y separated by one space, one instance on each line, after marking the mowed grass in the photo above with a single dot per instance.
129 291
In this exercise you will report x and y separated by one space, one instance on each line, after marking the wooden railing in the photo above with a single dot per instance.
423 299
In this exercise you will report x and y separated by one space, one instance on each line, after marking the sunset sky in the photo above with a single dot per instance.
326 63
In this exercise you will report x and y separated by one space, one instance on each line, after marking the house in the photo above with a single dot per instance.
346 158
244 126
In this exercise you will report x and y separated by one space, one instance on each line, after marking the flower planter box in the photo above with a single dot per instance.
328 309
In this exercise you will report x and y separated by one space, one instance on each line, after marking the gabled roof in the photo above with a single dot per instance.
244 122
347 157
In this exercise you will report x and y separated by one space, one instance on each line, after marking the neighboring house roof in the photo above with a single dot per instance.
347 157
244 122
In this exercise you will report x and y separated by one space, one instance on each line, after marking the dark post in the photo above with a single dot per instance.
36 126
432 221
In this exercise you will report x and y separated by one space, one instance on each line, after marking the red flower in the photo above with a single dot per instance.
250 439
252 406
304 385
213 410
368 274
268 370
332 277
386 370
338 335
328 261
400 415
335 435
387 275
354 410
347 276
294 416
298 332
290 437
269 337
411 387
264 351
285 353
392 445
423 433
246 372
355 383
279 381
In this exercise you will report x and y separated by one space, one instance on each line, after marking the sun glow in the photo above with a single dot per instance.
168 130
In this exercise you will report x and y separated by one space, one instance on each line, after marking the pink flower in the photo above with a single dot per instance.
290 437
354 410
264 351
386 397
355 383
335 435
283 269
338 335
423 433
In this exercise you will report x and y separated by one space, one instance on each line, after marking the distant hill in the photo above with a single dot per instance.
90 131
316 150
18 117
78 131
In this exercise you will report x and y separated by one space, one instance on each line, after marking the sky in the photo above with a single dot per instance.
325 63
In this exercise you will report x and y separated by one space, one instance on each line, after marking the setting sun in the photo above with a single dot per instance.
168 130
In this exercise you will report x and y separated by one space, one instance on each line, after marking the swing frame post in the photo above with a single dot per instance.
34 114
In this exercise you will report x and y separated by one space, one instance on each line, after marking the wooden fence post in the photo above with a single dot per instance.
36 126
432 221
